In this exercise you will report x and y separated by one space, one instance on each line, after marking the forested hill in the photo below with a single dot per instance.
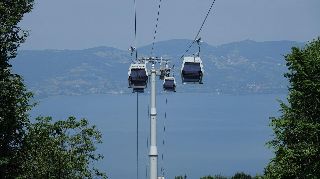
234 68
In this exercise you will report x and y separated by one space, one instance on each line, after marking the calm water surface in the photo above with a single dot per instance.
205 133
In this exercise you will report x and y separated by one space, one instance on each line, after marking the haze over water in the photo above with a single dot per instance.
205 133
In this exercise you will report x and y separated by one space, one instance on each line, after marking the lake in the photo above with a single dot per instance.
205 133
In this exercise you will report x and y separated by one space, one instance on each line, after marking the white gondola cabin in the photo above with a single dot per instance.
138 77
169 84
192 70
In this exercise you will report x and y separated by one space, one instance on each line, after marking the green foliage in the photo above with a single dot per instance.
63 149
238 175
259 177
296 132
11 35
214 177
219 177
14 98
241 175
14 104
180 177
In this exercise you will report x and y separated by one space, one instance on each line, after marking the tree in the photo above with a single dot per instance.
259 177
11 35
180 177
13 120
296 140
14 98
214 177
63 149
241 175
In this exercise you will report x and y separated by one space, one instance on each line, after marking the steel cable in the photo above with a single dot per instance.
196 37
156 28
137 135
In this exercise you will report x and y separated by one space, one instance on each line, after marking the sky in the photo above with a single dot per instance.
80 24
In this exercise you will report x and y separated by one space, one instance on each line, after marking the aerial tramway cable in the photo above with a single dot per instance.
136 55
133 49
135 28
197 36
148 109
137 135
156 28
163 170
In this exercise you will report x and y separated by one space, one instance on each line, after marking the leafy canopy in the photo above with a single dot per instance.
14 98
11 35
62 149
43 149
241 175
296 140
214 177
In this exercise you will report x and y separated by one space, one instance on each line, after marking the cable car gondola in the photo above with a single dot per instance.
169 84
138 77
192 70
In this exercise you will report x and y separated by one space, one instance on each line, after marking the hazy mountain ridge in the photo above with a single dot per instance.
239 67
